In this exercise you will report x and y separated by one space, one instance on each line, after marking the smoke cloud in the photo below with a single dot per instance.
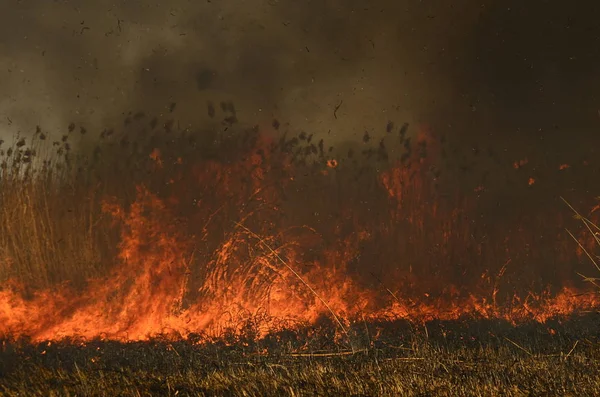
489 70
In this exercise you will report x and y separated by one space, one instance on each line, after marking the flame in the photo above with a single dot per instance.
241 252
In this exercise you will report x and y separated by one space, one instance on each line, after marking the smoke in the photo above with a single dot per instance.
469 68
90 62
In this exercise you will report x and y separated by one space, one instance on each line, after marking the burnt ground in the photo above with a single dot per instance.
464 357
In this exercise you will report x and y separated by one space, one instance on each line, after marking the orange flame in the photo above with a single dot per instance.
203 273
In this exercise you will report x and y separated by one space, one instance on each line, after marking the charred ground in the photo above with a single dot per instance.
457 358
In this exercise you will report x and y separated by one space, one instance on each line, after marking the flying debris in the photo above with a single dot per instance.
389 127
366 137
403 131
337 107
211 109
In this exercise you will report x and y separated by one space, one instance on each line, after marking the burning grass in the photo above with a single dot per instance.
158 231
235 261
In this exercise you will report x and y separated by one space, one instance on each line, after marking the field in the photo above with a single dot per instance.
231 261
470 357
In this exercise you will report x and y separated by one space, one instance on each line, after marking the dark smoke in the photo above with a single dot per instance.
489 70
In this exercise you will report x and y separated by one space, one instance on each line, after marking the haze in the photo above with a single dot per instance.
498 71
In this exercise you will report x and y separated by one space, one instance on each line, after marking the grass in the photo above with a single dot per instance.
594 235
461 358
53 228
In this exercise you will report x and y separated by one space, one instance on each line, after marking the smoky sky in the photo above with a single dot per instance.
502 70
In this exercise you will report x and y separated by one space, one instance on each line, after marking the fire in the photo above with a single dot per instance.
224 242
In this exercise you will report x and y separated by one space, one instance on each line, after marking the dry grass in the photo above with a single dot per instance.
455 359
33 216
53 229
52 226
594 234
